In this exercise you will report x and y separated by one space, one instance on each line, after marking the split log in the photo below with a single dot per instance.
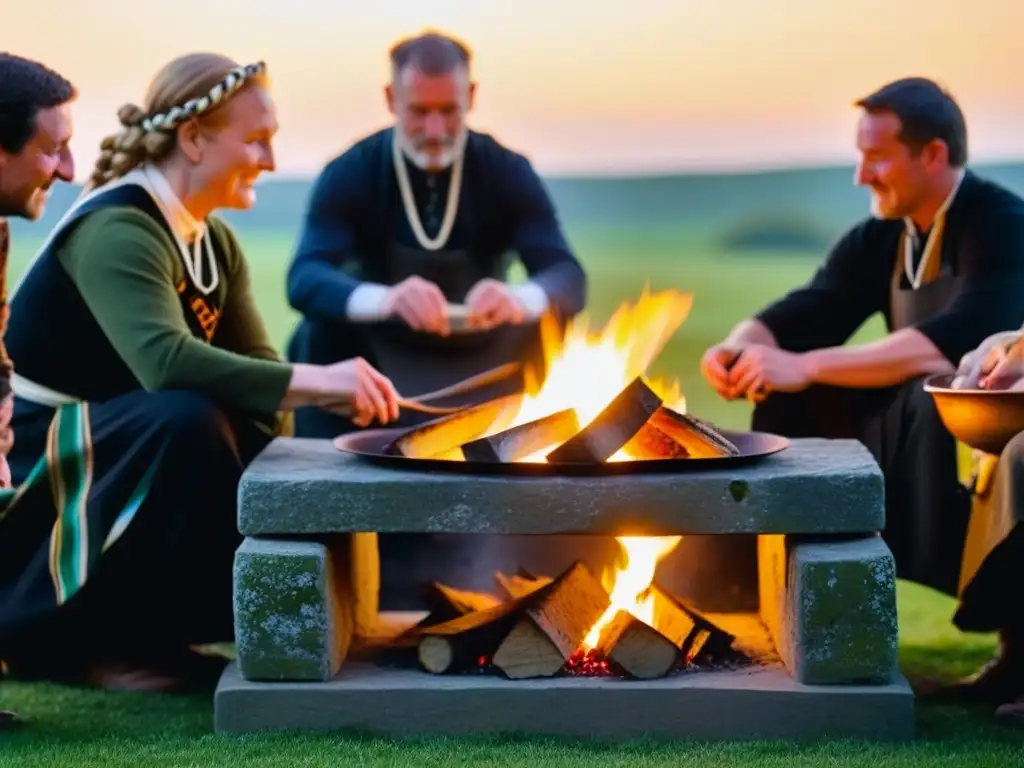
447 603
524 440
520 584
459 644
675 638
443 437
612 428
648 651
699 438
553 624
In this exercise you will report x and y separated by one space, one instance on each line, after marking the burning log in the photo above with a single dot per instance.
555 620
651 444
644 651
612 428
699 439
443 437
524 440
460 643
677 636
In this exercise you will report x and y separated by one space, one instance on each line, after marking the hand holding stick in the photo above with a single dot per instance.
345 405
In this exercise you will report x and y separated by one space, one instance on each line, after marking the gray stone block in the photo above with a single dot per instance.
743 704
293 610
831 608
303 486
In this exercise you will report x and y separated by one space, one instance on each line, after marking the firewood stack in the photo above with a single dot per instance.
538 630
636 421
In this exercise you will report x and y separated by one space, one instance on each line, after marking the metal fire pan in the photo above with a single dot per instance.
376 446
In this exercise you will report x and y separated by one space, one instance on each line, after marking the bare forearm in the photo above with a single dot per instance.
750 332
889 361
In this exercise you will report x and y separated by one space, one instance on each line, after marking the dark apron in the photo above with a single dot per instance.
419 362
908 307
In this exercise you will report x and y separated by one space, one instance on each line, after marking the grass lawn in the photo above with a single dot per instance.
85 728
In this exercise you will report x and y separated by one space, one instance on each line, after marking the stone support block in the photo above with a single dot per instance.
294 608
830 607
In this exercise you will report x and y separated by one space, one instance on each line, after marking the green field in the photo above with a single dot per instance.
86 728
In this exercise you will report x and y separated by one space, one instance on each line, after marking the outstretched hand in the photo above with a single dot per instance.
356 389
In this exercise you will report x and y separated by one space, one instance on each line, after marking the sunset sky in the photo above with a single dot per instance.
580 86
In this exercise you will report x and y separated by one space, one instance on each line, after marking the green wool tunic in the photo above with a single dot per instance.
127 270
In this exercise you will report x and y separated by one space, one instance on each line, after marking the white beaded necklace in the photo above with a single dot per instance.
409 202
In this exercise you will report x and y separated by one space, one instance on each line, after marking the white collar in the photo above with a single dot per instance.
908 223
184 223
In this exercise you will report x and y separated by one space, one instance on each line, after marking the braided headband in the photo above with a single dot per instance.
175 116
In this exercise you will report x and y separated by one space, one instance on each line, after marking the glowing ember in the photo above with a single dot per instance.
587 664
586 370
625 586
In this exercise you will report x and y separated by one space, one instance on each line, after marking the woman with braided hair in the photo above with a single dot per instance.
145 384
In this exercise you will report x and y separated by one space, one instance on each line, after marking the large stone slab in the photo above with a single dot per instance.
765 703
831 608
293 609
307 486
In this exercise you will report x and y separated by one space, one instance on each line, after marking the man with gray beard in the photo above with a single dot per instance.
402 256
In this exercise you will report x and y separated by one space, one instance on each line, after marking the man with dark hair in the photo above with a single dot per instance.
402 256
942 259
35 130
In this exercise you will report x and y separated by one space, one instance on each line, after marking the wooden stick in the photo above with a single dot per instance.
345 406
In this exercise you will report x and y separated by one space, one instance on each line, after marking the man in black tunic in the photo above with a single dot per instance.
35 129
402 229
942 258
411 225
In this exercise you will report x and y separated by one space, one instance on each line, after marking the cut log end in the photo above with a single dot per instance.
436 654
698 438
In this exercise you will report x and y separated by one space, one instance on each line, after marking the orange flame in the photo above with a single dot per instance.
587 370
625 584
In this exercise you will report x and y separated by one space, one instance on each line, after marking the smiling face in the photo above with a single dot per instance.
233 153
26 176
431 111
898 177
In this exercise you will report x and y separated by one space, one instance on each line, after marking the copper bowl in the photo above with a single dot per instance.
982 419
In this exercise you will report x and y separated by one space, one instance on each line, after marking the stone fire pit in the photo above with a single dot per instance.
822 644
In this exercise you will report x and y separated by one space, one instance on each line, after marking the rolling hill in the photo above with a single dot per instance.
824 198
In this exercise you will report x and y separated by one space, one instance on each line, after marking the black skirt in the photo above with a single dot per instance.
122 527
